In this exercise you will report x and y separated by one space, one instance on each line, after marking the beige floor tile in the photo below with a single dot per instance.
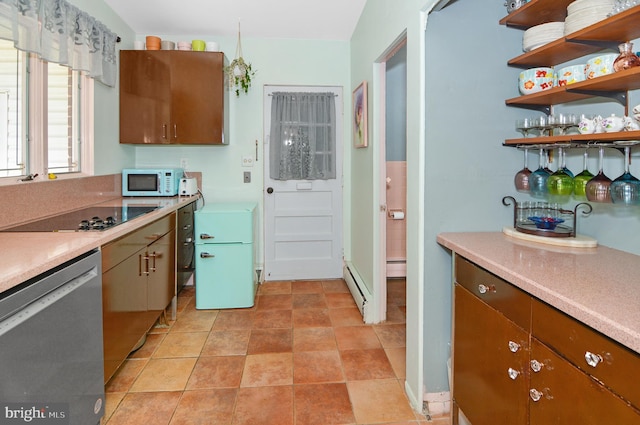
268 370
312 367
145 408
265 319
164 375
397 358
205 407
275 302
234 319
275 287
339 300
181 344
349 316
323 404
193 320
150 345
366 364
357 338
311 318
379 401
264 406
270 341
314 339
216 372
112 401
307 287
308 301
391 335
335 286
126 375
231 342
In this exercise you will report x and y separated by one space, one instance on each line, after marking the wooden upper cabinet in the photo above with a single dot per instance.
172 97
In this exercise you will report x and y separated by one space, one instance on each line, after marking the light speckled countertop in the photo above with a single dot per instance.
598 286
26 255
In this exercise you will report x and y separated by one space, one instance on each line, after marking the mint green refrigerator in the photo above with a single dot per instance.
225 257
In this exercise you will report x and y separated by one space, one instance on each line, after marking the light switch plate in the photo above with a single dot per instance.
247 161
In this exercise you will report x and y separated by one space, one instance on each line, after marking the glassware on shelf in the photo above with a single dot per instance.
626 188
563 122
521 180
560 183
581 179
525 126
599 188
538 179
627 59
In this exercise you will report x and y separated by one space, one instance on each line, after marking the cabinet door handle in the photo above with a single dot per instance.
535 394
153 256
206 255
592 359
175 131
514 346
146 265
513 374
206 236
164 131
483 289
536 366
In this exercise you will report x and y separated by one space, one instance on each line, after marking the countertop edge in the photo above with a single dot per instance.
593 309
24 255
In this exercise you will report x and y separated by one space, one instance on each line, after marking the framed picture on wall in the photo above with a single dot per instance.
360 116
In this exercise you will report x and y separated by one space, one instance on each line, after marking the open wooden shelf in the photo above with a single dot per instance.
619 136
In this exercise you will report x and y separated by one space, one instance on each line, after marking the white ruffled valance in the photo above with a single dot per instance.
59 32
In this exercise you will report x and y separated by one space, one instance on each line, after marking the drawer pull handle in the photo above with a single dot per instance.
514 346
536 366
535 394
513 374
592 359
206 236
483 289
206 255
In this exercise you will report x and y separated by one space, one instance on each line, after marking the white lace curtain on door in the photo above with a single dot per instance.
303 136
59 32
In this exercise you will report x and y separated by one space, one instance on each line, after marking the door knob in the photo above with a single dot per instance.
269 190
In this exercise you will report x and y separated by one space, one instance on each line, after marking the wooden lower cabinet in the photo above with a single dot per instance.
532 372
489 379
560 393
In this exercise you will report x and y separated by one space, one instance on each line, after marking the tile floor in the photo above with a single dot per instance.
301 355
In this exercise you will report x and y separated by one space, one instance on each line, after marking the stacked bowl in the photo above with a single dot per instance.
153 42
582 13
540 35
600 65
535 80
184 45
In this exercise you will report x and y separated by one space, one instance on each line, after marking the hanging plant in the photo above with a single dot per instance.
239 72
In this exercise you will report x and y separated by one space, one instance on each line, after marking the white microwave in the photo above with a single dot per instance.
151 181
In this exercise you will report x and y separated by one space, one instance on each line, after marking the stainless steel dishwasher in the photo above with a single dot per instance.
51 337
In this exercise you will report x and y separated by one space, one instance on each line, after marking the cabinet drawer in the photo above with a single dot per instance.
501 295
117 251
614 363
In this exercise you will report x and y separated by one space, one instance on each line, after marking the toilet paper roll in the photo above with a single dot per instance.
397 215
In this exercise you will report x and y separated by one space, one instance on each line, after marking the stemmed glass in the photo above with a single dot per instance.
626 188
560 183
538 179
521 180
599 188
581 179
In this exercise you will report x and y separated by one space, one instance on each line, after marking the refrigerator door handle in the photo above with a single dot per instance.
206 236
206 255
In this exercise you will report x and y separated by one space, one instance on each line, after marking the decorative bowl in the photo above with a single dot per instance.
546 223
535 80
600 65
570 74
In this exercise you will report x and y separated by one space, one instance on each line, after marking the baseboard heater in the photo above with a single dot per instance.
354 282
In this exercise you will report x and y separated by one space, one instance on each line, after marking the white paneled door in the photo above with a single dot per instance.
303 217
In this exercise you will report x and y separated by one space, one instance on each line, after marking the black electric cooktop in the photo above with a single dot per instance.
87 219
